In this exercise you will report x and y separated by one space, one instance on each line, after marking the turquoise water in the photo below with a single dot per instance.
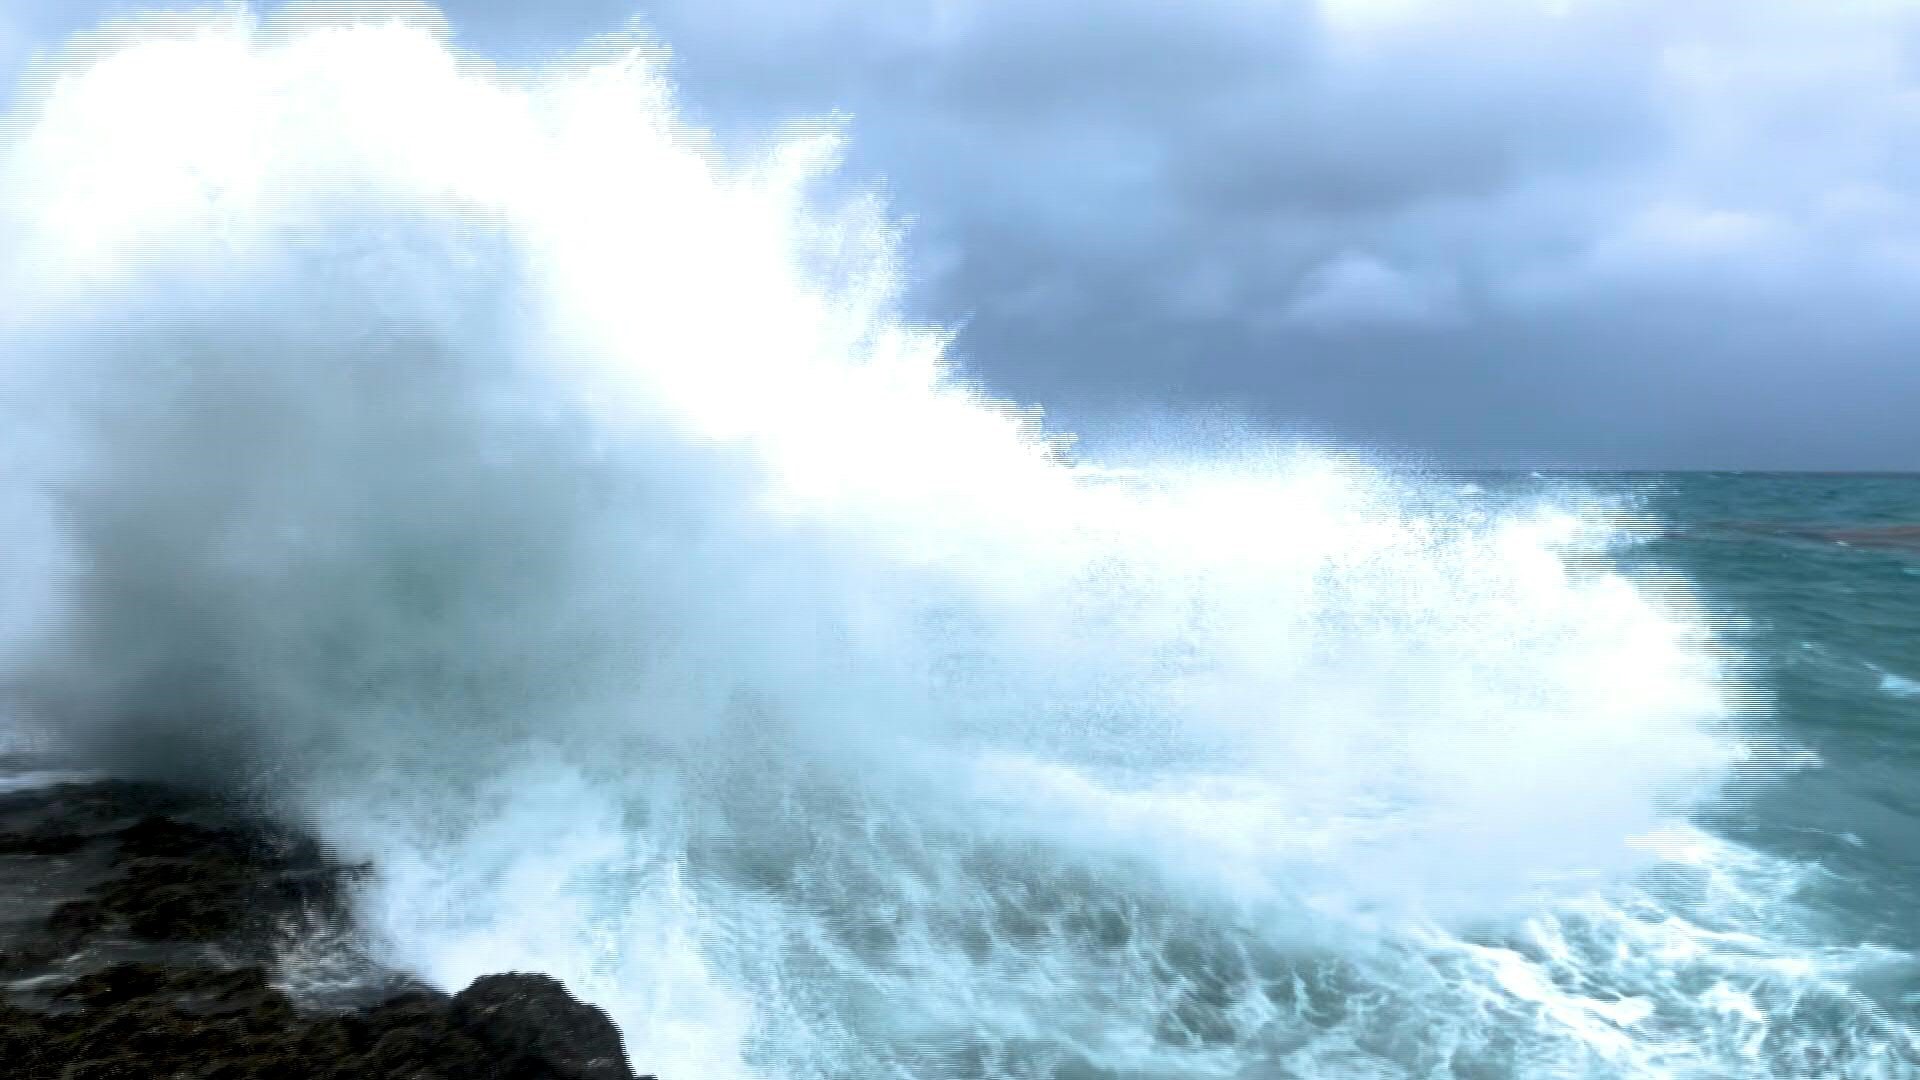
1834 633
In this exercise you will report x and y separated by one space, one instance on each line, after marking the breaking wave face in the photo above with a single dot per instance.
567 522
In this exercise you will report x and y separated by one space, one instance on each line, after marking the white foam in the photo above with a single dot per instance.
1899 685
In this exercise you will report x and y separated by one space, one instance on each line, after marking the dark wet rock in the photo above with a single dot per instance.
532 1015
33 844
140 1020
154 955
155 837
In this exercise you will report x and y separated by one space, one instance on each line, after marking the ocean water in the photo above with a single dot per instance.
1830 626
485 473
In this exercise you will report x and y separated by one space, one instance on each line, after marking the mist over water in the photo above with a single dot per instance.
565 520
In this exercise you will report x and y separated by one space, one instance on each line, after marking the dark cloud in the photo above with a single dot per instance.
1630 231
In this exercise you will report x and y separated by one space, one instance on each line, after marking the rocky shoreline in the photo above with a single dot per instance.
141 935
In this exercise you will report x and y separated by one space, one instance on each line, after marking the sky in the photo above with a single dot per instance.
1621 233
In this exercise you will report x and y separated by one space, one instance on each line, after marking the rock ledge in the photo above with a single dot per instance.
138 939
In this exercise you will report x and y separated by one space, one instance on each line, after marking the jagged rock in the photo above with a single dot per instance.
193 901
521 1013
142 1020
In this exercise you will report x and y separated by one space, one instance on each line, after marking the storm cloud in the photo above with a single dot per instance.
1617 232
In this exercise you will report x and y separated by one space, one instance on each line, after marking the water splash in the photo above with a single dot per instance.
566 521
